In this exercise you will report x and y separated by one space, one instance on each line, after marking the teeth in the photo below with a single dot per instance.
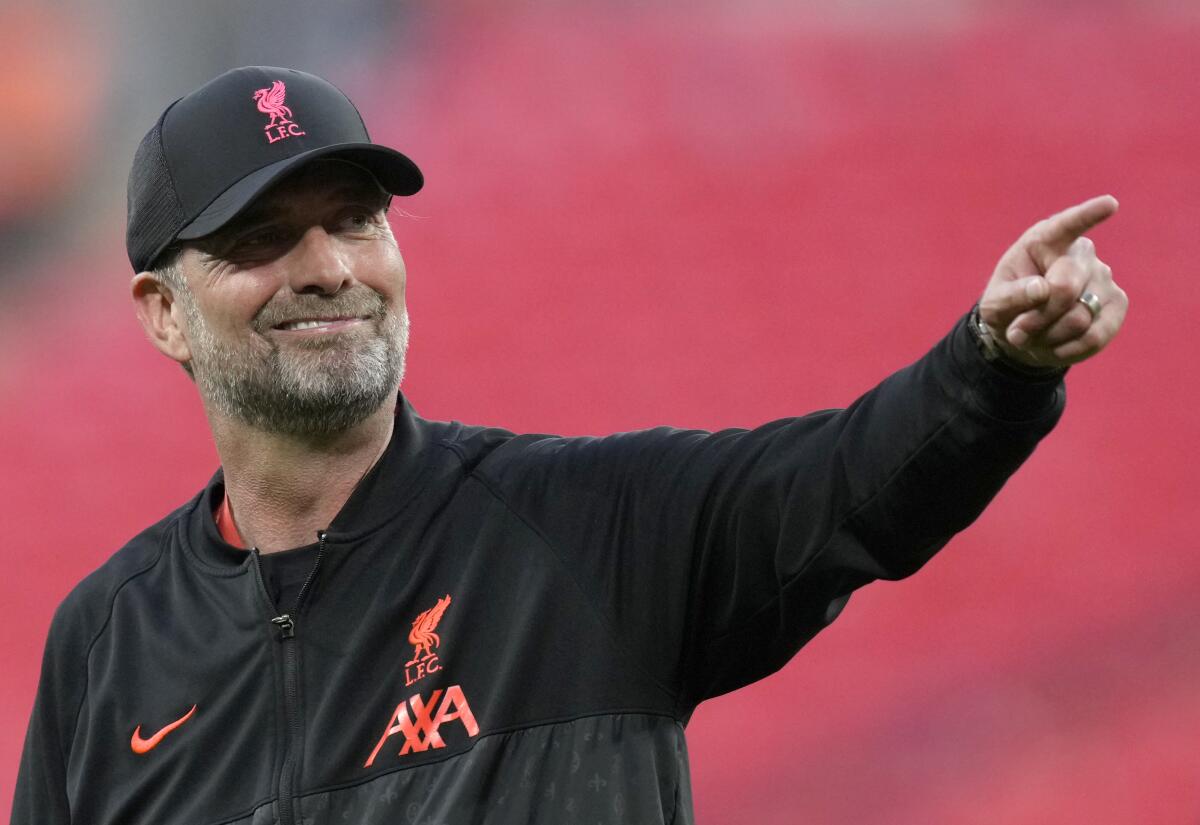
304 325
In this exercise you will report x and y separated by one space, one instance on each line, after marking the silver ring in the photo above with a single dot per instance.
1091 302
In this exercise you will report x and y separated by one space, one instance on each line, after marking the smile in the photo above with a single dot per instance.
319 325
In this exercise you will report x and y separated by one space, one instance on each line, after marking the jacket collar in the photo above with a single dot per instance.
382 493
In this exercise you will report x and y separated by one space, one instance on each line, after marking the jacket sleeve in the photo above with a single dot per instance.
41 792
716 556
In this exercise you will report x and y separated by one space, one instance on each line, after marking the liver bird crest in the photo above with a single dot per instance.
422 635
270 103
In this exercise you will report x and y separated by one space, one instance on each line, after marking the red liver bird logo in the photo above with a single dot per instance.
422 636
270 103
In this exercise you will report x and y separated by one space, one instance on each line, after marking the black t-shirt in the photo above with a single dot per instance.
284 574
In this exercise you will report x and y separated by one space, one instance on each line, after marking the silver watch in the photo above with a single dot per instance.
994 355
983 339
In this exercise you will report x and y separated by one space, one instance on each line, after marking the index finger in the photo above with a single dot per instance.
1051 237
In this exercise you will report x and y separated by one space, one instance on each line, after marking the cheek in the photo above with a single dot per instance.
234 311
388 276
402 278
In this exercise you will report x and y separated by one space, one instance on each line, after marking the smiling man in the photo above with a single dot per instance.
291 320
320 359
369 617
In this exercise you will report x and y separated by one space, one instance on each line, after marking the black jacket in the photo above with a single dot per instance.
503 628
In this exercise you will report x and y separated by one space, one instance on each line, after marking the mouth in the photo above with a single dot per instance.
320 325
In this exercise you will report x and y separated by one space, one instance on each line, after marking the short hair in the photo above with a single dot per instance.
165 268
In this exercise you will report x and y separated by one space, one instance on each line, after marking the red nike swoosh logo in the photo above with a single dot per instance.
141 745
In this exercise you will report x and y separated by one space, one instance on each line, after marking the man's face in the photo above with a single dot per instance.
296 318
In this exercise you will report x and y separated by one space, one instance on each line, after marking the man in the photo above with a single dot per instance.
370 617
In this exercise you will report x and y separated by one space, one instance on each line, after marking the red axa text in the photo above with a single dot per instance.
417 721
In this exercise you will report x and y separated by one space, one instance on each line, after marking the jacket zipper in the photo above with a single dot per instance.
286 625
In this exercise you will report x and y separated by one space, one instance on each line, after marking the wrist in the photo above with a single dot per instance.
998 352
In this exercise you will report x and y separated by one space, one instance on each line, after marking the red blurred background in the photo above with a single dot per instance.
706 216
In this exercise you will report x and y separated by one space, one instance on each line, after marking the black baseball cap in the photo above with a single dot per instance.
212 152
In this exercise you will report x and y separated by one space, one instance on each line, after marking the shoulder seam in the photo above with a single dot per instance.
454 447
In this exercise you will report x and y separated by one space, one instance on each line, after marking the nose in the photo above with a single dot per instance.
318 263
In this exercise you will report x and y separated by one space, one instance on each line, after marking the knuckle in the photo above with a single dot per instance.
1038 232
1093 339
1083 245
1078 323
1080 278
1063 289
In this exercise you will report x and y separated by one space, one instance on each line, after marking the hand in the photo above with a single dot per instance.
1031 304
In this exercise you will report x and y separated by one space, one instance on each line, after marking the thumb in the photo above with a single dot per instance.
1003 301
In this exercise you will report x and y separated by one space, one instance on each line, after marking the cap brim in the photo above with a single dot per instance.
395 173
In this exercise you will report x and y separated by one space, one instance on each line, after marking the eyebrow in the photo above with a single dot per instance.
260 214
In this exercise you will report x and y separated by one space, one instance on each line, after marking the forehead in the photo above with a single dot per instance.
322 181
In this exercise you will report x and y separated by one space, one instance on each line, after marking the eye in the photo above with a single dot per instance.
257 244
359 220
260 238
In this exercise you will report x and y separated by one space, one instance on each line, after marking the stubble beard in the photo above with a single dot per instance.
313 388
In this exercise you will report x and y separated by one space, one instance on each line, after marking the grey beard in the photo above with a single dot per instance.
319 392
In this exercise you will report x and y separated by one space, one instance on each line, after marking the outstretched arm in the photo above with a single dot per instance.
715 556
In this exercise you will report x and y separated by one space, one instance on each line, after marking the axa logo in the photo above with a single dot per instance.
424 640
279 116
419 723
417 719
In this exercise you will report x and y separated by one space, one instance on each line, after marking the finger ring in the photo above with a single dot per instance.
1091 302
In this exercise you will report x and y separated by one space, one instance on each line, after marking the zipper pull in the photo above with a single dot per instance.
287 628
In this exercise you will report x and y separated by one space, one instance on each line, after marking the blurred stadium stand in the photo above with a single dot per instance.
706 214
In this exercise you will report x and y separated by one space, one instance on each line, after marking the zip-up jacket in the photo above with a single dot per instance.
504 628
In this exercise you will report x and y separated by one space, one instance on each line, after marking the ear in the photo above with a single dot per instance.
161 316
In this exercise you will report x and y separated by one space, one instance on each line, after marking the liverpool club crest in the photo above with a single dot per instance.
279 116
